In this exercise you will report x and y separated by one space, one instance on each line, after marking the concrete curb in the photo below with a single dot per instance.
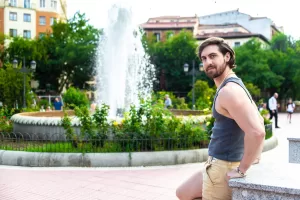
36 159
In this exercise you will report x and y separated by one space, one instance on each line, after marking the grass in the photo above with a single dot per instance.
88 147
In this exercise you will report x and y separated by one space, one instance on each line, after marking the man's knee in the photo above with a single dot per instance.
180 193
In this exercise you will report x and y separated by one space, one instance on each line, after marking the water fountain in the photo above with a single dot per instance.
124 74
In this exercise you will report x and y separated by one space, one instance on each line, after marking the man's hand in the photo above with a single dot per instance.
273 111
233 174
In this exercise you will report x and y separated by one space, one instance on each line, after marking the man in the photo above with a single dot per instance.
273 108
168 102
57 104
238 132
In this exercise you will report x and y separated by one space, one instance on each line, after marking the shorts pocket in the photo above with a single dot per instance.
214 173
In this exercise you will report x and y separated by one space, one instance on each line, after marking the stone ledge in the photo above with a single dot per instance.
159 158
265 181
294 149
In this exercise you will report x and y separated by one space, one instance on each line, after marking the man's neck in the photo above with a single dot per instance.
220 79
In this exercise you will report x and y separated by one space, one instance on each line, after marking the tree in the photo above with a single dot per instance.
11 86
253 66
70 55
203 95
170 55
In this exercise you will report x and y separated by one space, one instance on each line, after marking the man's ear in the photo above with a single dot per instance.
227 57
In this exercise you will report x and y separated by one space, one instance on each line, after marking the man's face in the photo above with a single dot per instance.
214 63
276 95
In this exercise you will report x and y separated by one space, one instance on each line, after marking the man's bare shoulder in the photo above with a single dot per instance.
232 94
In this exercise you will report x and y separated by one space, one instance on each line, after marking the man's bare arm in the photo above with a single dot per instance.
235 101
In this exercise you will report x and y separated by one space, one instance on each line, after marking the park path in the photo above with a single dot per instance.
151 183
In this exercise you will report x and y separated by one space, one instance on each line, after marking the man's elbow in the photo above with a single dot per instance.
259 135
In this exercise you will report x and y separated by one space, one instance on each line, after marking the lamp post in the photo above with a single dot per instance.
186 69
25 71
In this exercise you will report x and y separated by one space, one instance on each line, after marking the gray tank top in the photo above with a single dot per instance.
227 139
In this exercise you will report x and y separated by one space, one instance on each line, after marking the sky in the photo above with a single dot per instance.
282 13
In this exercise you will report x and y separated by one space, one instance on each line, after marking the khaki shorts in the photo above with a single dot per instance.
215 185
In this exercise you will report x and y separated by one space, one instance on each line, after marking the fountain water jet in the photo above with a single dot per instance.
124 72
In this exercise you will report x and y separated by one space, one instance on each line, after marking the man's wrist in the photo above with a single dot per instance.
242 173
242 169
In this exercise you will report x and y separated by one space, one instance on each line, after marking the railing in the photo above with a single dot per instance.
54 143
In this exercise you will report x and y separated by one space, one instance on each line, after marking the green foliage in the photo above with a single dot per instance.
74 97
6 125
44 103
145 128
86 121
252 61
169 57
11 86
66 123
254 90
203 95
64 57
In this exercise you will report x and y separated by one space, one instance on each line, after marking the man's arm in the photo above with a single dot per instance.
235 101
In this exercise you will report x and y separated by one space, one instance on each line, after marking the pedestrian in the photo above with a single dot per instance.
273 108
238 133
290 107
58 104
168 101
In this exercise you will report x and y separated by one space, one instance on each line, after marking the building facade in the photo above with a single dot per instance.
30 18
234 34
256 25
166 26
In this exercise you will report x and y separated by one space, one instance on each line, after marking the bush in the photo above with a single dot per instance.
203 95
44 103
74 97
144 128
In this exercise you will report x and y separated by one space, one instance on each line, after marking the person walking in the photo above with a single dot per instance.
273 108
290 107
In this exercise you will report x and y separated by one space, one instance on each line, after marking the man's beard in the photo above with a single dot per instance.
216 71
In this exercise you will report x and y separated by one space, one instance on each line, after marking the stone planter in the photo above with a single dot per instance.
294 149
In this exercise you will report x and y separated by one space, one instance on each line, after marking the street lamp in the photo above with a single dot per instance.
25 71
186 69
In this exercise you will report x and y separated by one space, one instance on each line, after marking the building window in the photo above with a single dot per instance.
42 20
52 20
157 36
41 35
42 4
27 34
13 3
235 30
26 3
171 34
27 17
237 44
12 16
54 4
13 32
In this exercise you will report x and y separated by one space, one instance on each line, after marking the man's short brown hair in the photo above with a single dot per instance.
223 48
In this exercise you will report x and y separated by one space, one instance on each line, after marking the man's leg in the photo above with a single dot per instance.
276 119
191 188
215 185
271 114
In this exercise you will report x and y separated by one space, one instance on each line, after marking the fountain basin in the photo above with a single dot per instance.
47 125
43 125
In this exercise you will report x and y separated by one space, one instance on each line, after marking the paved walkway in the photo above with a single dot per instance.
155 183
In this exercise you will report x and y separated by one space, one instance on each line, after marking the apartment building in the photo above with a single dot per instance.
30 18
235 27
166 26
